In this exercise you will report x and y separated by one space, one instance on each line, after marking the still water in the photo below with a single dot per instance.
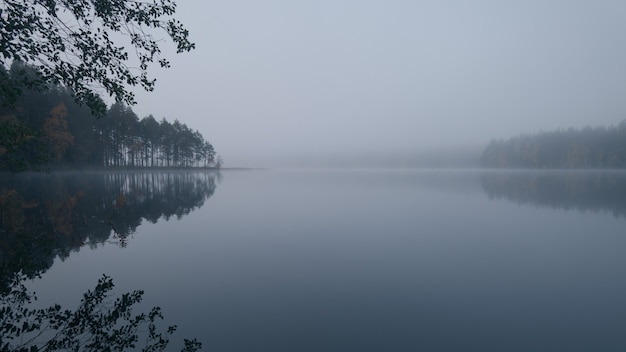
347 260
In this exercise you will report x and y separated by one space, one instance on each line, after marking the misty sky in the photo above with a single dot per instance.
285 78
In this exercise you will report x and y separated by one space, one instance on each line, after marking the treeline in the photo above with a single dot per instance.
48 128
599 147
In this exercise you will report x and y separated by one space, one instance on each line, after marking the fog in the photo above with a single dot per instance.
287 82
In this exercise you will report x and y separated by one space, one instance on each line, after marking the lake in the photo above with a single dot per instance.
341 260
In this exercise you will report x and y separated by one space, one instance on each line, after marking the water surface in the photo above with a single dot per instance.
355 260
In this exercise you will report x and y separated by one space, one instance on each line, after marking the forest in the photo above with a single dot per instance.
47 129
586 148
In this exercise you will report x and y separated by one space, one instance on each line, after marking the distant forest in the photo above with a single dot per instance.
48 128
598 147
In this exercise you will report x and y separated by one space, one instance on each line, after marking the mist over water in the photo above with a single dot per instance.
354 212
272 80
372 259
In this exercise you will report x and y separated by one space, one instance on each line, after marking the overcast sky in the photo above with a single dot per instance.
283 78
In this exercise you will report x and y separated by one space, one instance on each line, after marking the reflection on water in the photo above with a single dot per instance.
45 216
597 191
338 260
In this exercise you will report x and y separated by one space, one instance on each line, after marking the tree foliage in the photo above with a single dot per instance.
87 46
49 124
127 141
55 131
21 148
100 323
589 147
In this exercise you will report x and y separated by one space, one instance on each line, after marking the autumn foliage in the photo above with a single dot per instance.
55 131
48 129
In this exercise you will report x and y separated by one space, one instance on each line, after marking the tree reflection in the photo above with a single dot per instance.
597 191
45 216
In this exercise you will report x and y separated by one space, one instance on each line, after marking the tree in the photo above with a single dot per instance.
209 155
55 130
49 129
71 43
21 148
219 162
150 127
598 147
100 323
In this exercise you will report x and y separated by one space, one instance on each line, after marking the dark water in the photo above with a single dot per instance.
345 260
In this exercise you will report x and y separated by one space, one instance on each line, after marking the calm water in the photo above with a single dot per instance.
349 260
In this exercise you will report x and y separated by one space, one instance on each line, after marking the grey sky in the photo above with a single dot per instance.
274 78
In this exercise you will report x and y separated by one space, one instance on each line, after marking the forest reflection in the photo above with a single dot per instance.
596 191
45 216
